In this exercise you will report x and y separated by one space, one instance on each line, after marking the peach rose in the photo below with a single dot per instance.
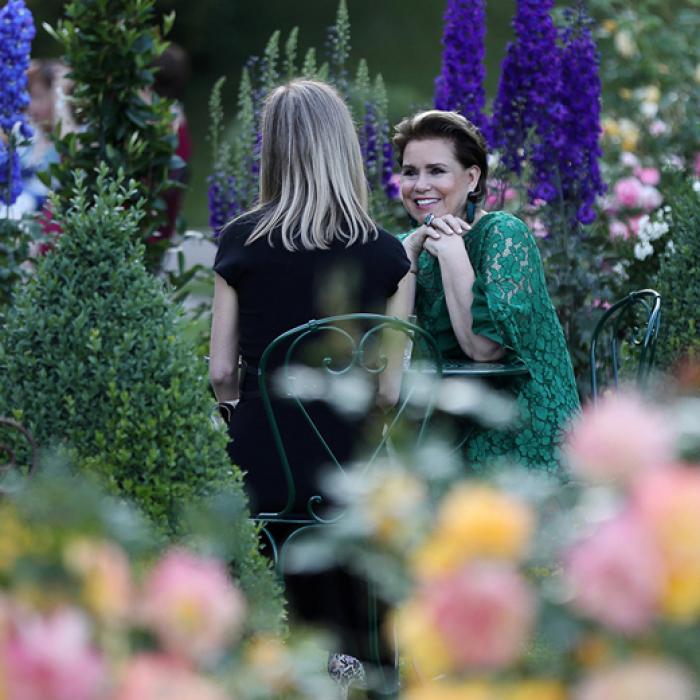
618 437
617 574
191 604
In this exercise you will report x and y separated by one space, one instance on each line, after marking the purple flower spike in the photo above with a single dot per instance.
529 83
16 34
460 85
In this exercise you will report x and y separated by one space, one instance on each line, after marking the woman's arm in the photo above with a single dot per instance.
457 280
223 347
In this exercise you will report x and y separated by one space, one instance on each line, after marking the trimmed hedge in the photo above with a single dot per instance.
678 280
94 361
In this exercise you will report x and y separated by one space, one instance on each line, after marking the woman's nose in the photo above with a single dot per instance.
422 182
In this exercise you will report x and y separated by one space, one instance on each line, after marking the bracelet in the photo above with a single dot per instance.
226 409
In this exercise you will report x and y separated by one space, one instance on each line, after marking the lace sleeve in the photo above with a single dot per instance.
508 271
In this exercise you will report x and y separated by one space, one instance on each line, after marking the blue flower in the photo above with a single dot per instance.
16 34
223 201
460 85
529 81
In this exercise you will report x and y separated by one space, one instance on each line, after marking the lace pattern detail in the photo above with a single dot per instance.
510 288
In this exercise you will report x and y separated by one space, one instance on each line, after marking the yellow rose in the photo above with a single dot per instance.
470 690
629 134
272 664
420 641
652 94
391 504
534 690
475 522
609 25
610 127
680 600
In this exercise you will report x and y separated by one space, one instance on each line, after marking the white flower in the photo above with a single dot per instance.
670 247
628 159
651 230
643 249
649 109
625 44
696 186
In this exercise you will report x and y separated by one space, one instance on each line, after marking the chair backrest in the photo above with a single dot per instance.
626 332
339 359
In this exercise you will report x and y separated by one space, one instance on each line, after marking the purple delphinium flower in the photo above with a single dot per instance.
223 202
460 85
16 34
530 77
579 169
389 183
368 141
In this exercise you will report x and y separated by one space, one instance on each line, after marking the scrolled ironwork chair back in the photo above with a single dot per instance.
628 330
355 351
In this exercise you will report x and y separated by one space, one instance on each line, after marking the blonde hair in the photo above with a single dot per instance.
312 181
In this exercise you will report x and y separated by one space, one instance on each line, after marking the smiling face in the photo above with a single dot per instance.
433 180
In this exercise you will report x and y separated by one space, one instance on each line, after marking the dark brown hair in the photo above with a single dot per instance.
469 144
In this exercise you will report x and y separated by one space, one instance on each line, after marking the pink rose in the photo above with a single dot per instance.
617 574
618 437
618 229
640 679
628 192
484 613
658 127
633 223
648 176
629 160
51 658
155 677
650 198
191 604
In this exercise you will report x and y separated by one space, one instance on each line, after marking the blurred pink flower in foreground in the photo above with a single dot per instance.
484 613
642 679
617 574
51 658
618 437
628 192
648 176
155 677
192 605
618 229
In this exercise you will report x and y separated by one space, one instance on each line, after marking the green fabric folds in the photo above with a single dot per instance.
511 306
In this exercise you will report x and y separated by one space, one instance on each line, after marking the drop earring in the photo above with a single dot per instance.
471 207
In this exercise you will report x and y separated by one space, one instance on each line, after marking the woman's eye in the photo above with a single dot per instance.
437 171
408 172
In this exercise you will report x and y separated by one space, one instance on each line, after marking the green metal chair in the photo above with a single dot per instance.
627 332
351 346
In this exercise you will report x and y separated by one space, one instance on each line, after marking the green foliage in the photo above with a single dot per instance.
678 281
94 361
15 239
236 159
110 47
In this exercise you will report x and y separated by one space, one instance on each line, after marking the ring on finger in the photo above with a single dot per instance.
429 219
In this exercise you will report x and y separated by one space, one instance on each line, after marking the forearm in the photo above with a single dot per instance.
457 280
223 348
224 380
400 305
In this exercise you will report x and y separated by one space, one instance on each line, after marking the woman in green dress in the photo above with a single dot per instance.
478 285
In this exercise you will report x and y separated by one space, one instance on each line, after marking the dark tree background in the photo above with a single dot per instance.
399 38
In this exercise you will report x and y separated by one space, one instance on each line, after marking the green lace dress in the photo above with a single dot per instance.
511 306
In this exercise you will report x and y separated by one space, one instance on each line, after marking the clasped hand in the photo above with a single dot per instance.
442 235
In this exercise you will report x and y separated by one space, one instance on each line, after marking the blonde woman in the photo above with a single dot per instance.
275 269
